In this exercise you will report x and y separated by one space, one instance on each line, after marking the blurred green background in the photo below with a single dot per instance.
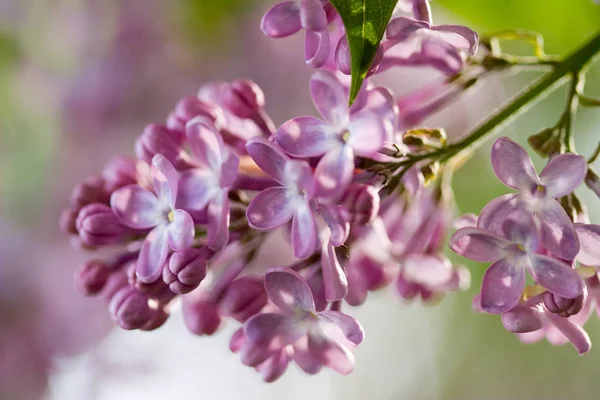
79 80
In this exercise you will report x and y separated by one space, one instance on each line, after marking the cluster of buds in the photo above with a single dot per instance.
359 209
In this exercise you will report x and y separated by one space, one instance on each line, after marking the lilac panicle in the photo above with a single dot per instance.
511 255
141 209
537 194
328 334
337 138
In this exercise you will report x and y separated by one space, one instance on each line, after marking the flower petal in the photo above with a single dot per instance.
331 354
403 27
495 212
334 172
522 319
206 143
502 286
164 177
427 270
578 337
306 137
153 254
556 276
558 232
351 328
589 240
288 290
136 207
470 36
282 20
229 169
339 228
368 132
563 174
270 209
334 277
181 231
305 360
268 156
197 187
272 330
478 244
512 164
218 222
275 366
298 176
316 48
304 231
520 227
343 60
329 97
440 55
312 15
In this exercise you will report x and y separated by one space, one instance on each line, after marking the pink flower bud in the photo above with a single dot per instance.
522 319
119 172
361 203
91 277
98 226
243 98
563 306
201 314
91 190
243 298
130 309
158 139
185 270
188 108
67 221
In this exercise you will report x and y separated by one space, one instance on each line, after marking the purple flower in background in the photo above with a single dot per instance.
537 194
208 185
338 138
441 46
328 333
139 208
511 256
292 200
589 239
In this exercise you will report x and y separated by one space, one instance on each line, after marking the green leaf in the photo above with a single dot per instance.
365 22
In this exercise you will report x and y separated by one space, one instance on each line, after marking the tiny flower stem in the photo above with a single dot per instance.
594 155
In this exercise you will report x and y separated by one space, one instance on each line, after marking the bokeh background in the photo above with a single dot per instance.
79 79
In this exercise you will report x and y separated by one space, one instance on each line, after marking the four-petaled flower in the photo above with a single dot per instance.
328 333
511 255
139 208
337 139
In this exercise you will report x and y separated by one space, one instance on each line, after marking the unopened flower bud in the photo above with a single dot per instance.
343 60
201 314
68 220
119 172
364 274
188 108
243 298
185 270
361 203
91 277
158 139
243 98
130 309
563 306
98 226
522 319
89 191
158 319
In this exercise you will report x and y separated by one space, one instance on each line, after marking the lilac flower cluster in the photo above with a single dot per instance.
352 192
530 231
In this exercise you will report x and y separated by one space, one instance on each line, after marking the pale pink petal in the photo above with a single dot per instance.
270 209
316 48
512 164
343 60
298 174
288 291
563 174
275 366
403 27
136 207
164 177
305 360
428 270
478 244
153 254
282 20
330 98
351 328
495 212
556 276
334 172
558 232
578 337
339 228
589 239
334 277
312 15
181 231
502 286
440 55
196 188
218 222
304 231
307 137
268 156
272 330
331 354
206 143
464 35
368 131
229 168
